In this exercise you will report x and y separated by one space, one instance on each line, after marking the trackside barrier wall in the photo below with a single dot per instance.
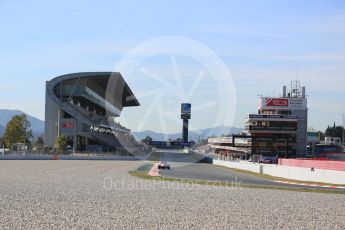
316 164
288 172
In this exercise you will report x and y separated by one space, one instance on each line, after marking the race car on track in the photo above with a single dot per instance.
163 165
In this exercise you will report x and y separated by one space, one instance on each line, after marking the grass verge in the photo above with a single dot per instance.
145 168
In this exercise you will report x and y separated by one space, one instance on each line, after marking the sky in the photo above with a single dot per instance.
218 55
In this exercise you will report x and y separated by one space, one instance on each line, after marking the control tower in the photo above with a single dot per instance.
186 110
280 127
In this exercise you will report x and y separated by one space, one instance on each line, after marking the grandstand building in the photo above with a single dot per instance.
84 107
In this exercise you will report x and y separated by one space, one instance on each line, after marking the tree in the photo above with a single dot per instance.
39 141
147 140
179 139
321 135
61 144
335 131
17 131
39 144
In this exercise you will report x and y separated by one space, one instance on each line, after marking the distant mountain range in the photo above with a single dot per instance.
2 130
193 135
37 125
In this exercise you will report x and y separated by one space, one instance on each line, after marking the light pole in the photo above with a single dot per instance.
58 126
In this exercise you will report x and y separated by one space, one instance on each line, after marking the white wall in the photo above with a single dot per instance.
288 172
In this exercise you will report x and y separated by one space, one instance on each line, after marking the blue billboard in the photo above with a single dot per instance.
186 108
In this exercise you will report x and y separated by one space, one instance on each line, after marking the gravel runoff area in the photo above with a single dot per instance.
101 194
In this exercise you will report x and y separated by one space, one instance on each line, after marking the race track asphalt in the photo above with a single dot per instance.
201 171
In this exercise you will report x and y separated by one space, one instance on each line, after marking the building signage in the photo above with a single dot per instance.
283 102
67 125
270 116
277 102
297 103
186 144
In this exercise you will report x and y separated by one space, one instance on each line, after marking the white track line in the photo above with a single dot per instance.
311 185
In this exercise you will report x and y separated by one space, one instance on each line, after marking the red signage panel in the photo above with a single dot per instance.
278 102
67 125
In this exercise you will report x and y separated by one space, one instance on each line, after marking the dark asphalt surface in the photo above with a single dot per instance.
201 171
176 157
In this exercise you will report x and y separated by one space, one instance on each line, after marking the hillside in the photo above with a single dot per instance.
193 135
37 125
